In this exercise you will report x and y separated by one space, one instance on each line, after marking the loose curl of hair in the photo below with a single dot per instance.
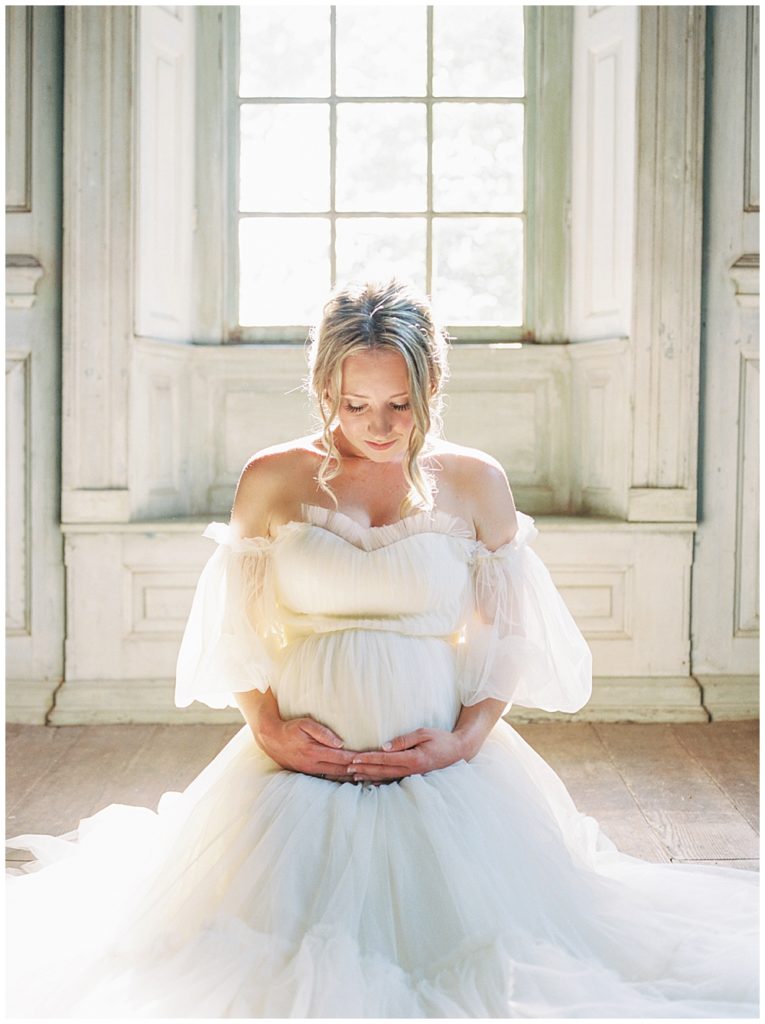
393 317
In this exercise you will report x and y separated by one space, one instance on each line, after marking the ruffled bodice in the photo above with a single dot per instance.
509 633
411 577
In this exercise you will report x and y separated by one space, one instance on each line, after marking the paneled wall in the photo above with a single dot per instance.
557 416
599 435
726 622
34 623
554 415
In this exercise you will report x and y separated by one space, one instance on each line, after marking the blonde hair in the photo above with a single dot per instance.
381 316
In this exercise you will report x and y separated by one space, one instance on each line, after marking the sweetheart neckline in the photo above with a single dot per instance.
370 539
433 513
454 527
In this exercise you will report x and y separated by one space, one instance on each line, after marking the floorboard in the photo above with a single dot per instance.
661 792
690 813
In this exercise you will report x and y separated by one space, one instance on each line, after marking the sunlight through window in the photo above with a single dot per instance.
381 141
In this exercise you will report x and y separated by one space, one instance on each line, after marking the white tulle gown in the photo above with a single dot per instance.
473 891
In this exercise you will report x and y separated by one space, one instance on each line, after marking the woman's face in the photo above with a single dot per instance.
375 415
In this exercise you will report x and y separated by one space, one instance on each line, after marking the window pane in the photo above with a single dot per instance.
381 157
274 174
478 156
381 51
284 275
284 51
370 248
478 51
478 270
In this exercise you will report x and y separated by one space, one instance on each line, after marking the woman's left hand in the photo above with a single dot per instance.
423 750
426 750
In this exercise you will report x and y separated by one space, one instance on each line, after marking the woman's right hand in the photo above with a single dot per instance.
297 744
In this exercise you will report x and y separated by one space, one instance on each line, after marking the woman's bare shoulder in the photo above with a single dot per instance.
272 480
478 483
278 457
459 458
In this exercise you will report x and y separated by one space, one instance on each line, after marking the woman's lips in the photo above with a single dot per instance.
380 447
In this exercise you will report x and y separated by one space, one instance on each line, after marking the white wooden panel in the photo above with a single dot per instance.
159 601
161 414
752 130
34 548
128 596
725 633
603 154
165 180
513 402
669 204
599 598
22 275
642 627
17 511
746 613
18 109
600 426
130 592
98 254
252 399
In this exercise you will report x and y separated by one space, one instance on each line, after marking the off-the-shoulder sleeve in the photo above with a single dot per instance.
521 644
227 645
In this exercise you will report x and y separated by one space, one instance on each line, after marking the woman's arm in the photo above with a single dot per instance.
297 744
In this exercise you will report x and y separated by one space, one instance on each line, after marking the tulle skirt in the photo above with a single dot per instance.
474 891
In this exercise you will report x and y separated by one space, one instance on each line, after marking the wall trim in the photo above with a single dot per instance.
22 275
638 699
731 697
29 701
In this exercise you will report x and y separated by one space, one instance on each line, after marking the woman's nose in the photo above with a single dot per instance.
380 425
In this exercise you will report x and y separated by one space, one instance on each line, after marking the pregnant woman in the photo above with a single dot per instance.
376 841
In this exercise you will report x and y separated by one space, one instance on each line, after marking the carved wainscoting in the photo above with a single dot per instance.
130 588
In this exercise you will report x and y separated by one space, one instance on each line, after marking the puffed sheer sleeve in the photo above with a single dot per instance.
521 644
228 645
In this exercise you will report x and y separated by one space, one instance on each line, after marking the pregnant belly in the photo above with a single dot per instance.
370 686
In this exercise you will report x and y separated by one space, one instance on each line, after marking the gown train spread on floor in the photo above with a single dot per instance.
474 891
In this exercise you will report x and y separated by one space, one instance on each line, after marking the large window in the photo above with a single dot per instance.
380 140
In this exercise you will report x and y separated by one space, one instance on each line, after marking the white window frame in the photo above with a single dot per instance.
547 141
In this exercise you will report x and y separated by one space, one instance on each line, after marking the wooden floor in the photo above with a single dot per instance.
661 792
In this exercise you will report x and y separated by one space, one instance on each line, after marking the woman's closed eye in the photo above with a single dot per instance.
361 408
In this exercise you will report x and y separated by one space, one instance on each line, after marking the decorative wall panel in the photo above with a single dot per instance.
98 255
725 625
18 109
130 591
513 402
602 172
17 496
34 568
165 178
599 598
628 588
249 400
159 602
752 117
666 327
746 602
161 414
600 428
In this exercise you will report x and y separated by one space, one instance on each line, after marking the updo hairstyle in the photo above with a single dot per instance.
376 316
